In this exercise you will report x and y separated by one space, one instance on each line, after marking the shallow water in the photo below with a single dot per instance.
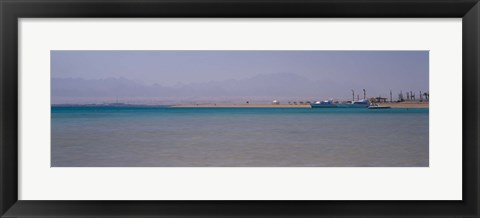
238 137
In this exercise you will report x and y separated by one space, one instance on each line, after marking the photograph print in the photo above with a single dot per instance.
239 108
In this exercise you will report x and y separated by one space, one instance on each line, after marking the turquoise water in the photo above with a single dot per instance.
238 137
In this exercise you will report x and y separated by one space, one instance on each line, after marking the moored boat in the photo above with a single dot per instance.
324 104
376 106
355 104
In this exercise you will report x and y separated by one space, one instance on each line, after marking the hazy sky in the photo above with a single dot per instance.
336 72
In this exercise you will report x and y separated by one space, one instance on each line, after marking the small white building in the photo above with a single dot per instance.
275 102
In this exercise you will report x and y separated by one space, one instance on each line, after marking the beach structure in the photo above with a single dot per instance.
400 96
275 102
380 99
426 95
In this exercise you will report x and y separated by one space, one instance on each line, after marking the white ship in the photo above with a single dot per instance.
324 104
364 103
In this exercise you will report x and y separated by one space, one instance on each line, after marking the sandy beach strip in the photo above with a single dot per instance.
393 105
406 104
243 105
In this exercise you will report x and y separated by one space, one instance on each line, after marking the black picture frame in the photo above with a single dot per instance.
12 10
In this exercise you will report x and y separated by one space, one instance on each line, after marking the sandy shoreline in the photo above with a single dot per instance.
406 104
393 105
243 105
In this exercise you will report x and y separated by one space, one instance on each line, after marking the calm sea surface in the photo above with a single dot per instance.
238 137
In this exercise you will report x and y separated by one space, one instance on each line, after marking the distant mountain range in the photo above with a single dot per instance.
281 86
